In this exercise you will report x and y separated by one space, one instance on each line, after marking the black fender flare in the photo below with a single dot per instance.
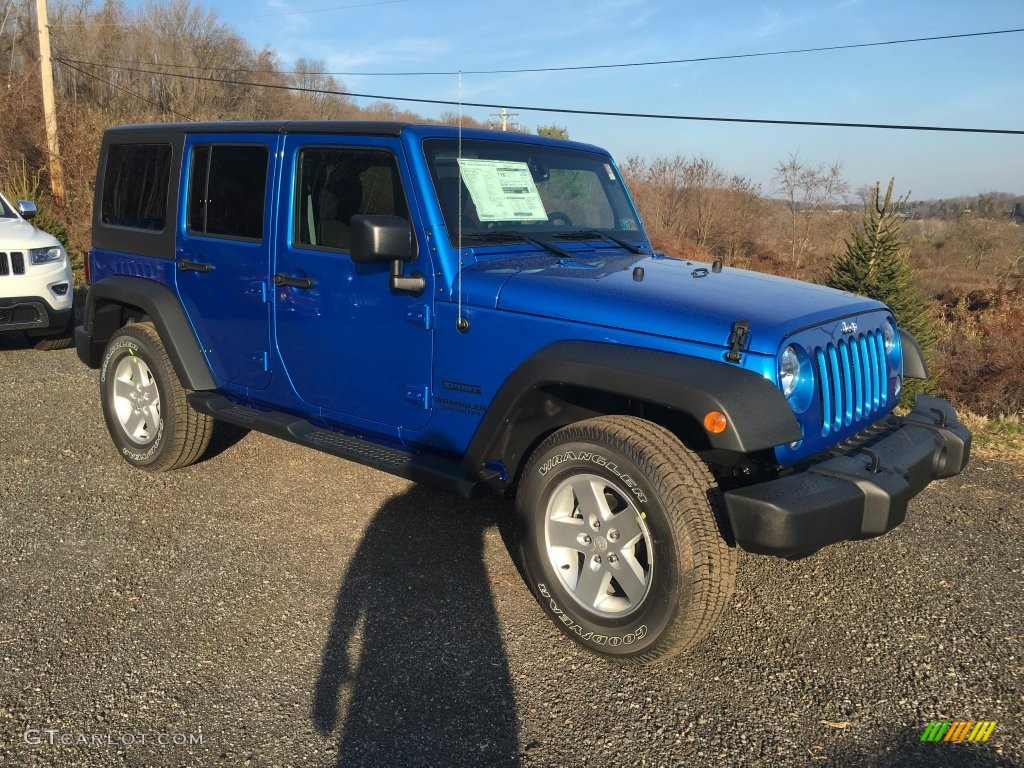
914 364
162 307
758 415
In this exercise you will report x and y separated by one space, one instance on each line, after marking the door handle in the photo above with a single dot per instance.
194 266
294 282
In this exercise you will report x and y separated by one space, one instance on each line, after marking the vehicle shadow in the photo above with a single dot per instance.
903 748
414 663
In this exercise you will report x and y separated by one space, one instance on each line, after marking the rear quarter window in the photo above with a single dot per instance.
135 186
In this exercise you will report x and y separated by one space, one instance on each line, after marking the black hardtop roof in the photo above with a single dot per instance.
166 131
368 127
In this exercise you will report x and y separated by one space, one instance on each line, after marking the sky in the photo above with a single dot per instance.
976 82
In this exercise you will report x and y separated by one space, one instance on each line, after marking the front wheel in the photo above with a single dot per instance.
621 539
51 342
144 404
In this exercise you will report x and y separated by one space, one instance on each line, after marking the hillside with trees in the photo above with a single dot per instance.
173 60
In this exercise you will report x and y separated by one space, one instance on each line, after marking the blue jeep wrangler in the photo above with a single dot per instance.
484 311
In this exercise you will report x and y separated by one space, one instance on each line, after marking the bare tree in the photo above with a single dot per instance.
320 95
807 191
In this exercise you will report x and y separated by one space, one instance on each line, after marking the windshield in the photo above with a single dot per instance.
6 211
509 189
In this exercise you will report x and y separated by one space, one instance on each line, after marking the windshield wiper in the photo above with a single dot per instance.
593 234
508 235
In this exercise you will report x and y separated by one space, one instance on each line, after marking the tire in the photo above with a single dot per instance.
620 531
61 340
144 405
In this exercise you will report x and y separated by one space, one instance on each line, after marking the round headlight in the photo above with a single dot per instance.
789 370
796 377
891 336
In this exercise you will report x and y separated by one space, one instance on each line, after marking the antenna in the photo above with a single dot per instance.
461 324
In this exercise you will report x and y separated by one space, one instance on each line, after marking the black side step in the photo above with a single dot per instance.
421 468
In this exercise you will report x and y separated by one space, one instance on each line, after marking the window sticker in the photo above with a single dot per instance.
502 190
609 171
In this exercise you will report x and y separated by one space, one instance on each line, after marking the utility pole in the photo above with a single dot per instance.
505 115
49 108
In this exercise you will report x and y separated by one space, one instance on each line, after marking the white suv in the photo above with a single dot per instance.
36 284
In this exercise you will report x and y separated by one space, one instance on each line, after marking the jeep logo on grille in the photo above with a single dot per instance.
849 328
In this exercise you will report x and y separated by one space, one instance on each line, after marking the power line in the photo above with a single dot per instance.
565 110
177 22
582 67
130 92
327 10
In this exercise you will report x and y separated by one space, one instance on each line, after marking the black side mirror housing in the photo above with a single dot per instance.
378 238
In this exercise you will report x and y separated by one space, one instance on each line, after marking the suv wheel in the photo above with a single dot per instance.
621 540
61 340
144 404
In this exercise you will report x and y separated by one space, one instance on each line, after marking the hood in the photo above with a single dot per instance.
18 235
653 294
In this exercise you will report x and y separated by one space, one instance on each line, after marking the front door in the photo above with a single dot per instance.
348 343
223 254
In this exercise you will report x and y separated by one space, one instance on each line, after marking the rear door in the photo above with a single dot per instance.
223 252
349 345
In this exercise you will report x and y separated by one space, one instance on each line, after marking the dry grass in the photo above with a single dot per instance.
1001 437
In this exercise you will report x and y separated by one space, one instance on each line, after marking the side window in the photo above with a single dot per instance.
227 189
334 184
135 186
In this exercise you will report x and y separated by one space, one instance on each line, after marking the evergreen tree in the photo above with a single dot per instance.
554 131
875 264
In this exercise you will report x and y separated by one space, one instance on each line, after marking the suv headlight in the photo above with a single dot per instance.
890 336
796 377
893 352
46 255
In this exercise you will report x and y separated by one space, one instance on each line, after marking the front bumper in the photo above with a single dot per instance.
854 494
32 313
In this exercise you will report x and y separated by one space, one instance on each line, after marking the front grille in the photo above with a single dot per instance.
852 380
12 263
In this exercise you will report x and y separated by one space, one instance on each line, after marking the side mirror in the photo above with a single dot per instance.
379 238
27 209
376 238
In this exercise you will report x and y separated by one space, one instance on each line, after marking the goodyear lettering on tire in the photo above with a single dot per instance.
612 641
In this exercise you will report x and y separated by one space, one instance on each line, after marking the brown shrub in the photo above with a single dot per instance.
979 361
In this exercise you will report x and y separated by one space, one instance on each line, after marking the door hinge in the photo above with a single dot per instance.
418 395
420 314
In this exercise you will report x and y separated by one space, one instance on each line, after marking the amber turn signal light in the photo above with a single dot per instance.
715 422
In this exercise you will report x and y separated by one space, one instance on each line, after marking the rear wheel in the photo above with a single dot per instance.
144 404
620 533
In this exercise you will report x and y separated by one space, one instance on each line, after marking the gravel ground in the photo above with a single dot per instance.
286 608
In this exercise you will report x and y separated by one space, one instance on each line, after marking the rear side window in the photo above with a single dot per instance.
227 190
333 184
135 186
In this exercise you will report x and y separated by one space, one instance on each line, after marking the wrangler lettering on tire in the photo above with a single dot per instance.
620 534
